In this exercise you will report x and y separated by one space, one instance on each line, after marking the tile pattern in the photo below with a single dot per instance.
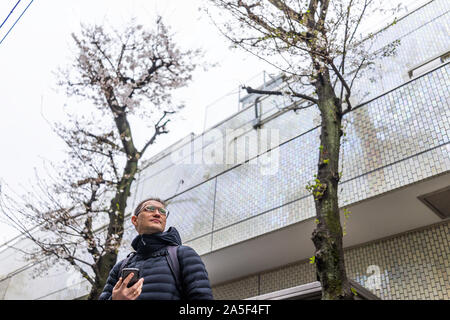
423 34
385 140
192 212
237 290
414 265
377 153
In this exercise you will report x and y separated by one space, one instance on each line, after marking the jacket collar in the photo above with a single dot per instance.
151 243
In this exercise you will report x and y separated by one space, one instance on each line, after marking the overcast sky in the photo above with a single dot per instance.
40 42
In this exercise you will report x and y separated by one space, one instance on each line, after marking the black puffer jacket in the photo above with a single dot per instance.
159 282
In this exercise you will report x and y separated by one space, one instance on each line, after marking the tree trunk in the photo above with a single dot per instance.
118 204
103 267
327 237
115 227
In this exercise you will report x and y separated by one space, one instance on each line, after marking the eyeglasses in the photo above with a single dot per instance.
153 209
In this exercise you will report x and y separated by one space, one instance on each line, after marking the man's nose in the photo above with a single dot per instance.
156 213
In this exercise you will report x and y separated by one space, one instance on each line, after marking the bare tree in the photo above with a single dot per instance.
321 52
128 77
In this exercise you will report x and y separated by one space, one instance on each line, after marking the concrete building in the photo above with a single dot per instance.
237 192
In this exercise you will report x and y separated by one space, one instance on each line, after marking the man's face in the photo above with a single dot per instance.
147 222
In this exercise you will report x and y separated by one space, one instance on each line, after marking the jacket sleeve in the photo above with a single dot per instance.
195 277
113 277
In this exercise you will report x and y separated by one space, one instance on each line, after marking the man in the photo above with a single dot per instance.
157 282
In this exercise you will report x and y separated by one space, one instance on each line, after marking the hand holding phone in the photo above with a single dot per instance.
124 290
126 272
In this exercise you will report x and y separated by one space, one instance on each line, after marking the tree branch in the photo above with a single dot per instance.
291 13
106 57
113 165
158 131
279 93
344 84
101 139
85 275
322 16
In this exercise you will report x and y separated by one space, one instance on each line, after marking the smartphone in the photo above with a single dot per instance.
126 272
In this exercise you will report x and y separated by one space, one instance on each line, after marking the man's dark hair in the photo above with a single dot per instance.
139 206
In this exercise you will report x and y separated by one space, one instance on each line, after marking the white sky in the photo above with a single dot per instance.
39 43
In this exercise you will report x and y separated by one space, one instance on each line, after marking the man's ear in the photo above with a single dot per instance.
134 220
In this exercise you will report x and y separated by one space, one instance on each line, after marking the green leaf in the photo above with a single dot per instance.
326 161
354 291
312 260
